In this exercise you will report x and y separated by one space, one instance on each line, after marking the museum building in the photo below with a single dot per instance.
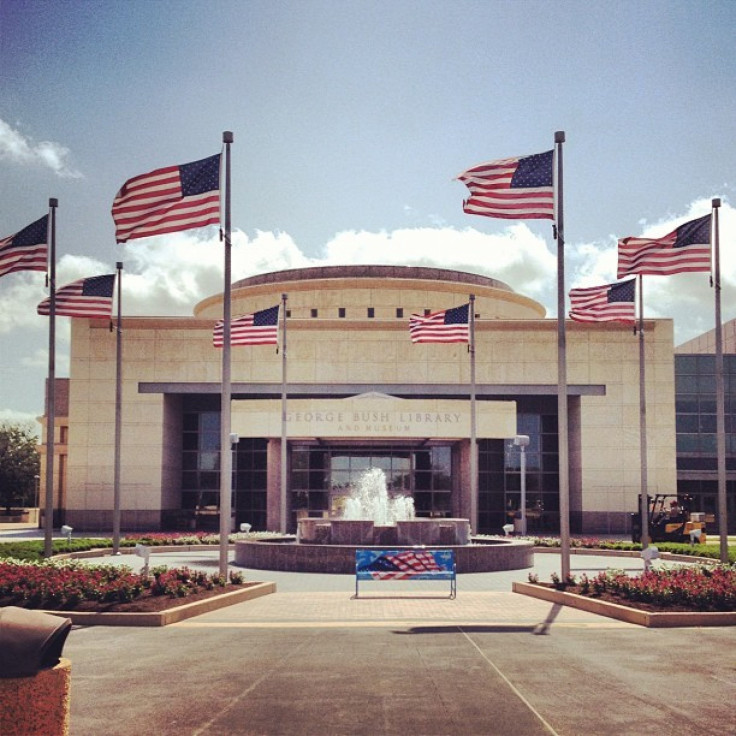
361 395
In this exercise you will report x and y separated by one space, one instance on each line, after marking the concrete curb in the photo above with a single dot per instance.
624 613
636 554
102 552
172 615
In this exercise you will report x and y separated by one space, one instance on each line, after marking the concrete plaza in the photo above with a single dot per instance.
310 660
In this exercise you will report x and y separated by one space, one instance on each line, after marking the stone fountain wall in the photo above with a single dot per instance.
491 556
364 533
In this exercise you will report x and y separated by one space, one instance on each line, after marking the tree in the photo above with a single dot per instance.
19 464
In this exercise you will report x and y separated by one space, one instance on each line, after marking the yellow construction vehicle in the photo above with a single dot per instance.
670 520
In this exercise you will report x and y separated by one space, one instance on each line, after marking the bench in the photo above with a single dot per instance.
405 564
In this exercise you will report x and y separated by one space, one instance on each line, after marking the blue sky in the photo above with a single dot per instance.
351 120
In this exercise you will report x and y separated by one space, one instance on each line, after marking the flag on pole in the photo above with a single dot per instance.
607 303
449 325
168 200
26 250
90 297
512 188
259 328
685 249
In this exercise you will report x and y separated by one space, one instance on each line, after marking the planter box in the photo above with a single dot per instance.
662 619
37 704
171 615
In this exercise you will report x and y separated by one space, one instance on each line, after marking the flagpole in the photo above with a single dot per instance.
473 429
118 415
283 494
644 481
562 410
226 455
51 386
720 393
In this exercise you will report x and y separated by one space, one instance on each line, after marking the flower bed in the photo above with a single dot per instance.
688 588
69 585
33 550
708 551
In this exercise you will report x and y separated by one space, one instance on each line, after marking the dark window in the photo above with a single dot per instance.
341 312
399 312
313 312
200 480
499 478
371 312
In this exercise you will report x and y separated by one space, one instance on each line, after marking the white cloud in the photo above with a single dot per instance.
169 276
19 296
686 298
25 290
25 419
16 147
517 256
38 359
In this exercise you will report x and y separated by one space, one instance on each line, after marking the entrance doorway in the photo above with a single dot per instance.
322 477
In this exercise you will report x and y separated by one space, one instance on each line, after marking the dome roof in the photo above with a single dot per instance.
422 273
385 289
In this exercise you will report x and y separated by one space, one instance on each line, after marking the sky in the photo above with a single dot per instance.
351 121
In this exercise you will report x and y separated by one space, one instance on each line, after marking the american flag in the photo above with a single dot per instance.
450 325
168 200
402 565
512 188
259 328
607 303
685 249
90 297
27 250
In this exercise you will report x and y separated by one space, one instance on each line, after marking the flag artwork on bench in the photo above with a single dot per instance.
404 564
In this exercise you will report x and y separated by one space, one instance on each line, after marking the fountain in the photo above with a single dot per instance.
370 500
371 517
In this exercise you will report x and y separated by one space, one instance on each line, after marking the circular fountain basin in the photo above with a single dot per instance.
289 556
365 532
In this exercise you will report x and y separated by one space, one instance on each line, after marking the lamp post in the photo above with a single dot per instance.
234 439
522 441
37 489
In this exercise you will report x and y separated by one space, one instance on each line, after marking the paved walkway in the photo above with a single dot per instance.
310 660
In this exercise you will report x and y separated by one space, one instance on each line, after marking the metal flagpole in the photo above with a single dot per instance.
226 455
473 432
118 415
720 394
50 387
562 411
644 483
283 494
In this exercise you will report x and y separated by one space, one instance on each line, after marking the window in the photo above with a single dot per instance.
200 478
313 312
399 312
322 479
371 312
341 312
499 471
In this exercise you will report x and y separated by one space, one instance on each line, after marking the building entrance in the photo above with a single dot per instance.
322 477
